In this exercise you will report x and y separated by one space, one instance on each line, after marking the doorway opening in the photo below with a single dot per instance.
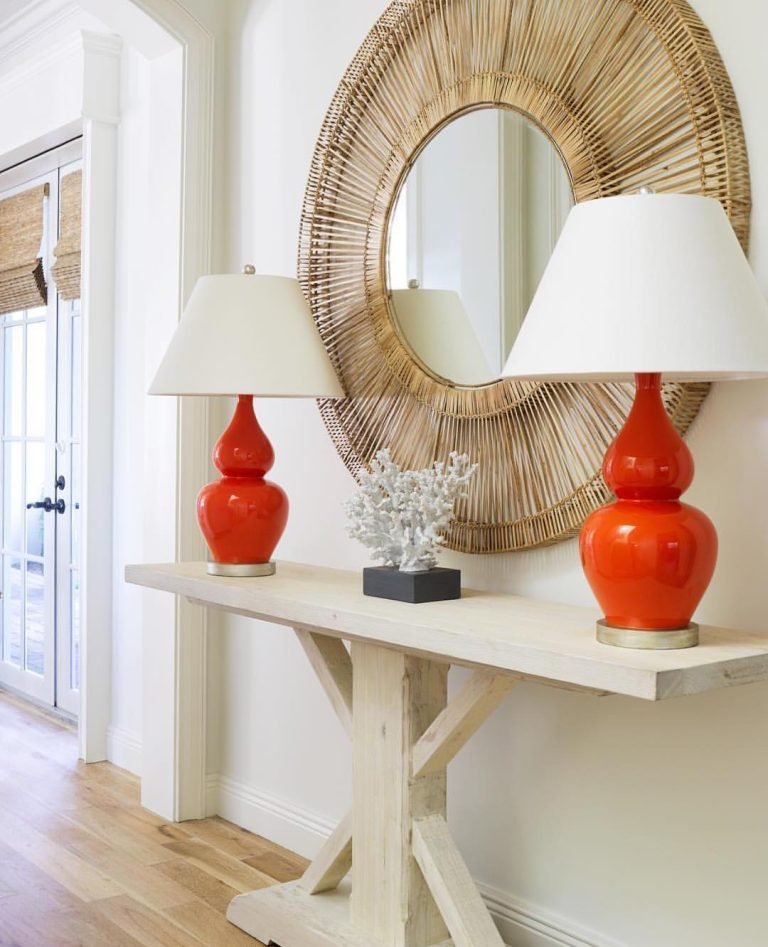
40 460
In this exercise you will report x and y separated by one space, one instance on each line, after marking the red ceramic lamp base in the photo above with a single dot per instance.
242 516
648 557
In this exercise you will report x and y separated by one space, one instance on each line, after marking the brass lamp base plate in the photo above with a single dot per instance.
248 571
673 640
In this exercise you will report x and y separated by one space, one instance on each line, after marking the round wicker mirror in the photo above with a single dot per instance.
632 93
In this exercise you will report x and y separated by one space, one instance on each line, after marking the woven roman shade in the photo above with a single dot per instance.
22 282
66 269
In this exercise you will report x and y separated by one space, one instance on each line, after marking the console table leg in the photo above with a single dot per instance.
396 698
410 886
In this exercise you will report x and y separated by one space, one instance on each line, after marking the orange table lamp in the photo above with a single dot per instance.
243 336
646 286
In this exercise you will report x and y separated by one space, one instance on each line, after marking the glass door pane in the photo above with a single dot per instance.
13 610
27 340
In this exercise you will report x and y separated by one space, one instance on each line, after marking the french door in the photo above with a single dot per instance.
40 496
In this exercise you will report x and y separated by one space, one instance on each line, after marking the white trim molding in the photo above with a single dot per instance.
101 111
300 830
42 26
297 829
124 750
177 789
527 925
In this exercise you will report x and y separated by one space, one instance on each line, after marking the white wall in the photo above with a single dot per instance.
621 822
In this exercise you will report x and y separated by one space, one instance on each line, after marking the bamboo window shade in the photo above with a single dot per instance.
22 281
66 269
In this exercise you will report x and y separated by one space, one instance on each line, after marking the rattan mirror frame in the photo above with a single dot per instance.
632 93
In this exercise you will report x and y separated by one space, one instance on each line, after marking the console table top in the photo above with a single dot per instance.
538 640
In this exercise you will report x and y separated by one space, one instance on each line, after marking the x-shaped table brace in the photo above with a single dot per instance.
410 887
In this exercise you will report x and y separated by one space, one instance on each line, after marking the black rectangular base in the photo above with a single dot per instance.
437 585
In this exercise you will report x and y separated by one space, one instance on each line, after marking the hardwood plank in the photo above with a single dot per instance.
209 926
23 926
107 824
224 867
87 927
83 865
144 883
282 868
233 840
117 781
19 876
146 825
101 853
59 788
147 927
199 883
72 872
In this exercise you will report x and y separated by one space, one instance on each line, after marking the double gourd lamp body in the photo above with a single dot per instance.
244 336
646 287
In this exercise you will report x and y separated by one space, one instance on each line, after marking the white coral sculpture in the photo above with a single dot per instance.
400 515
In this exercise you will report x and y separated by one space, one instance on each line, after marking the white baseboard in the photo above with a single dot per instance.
295 828
302 831
527 925
124 749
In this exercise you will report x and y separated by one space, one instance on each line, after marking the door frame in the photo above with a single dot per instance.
173 768
67 697
172 755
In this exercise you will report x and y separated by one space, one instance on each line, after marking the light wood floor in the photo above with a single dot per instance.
81 863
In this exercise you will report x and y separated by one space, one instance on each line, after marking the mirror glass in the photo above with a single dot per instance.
471 233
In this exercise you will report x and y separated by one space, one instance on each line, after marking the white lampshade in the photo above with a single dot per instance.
438 330
249 335
645 283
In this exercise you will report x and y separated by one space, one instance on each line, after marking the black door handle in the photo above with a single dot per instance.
48 505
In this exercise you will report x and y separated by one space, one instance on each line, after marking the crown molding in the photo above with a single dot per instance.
40 25
34 59
106 43
101 71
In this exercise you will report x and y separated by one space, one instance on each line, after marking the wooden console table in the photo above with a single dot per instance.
411 887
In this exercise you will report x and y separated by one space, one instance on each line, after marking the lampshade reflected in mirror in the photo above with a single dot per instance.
441 336
476 219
